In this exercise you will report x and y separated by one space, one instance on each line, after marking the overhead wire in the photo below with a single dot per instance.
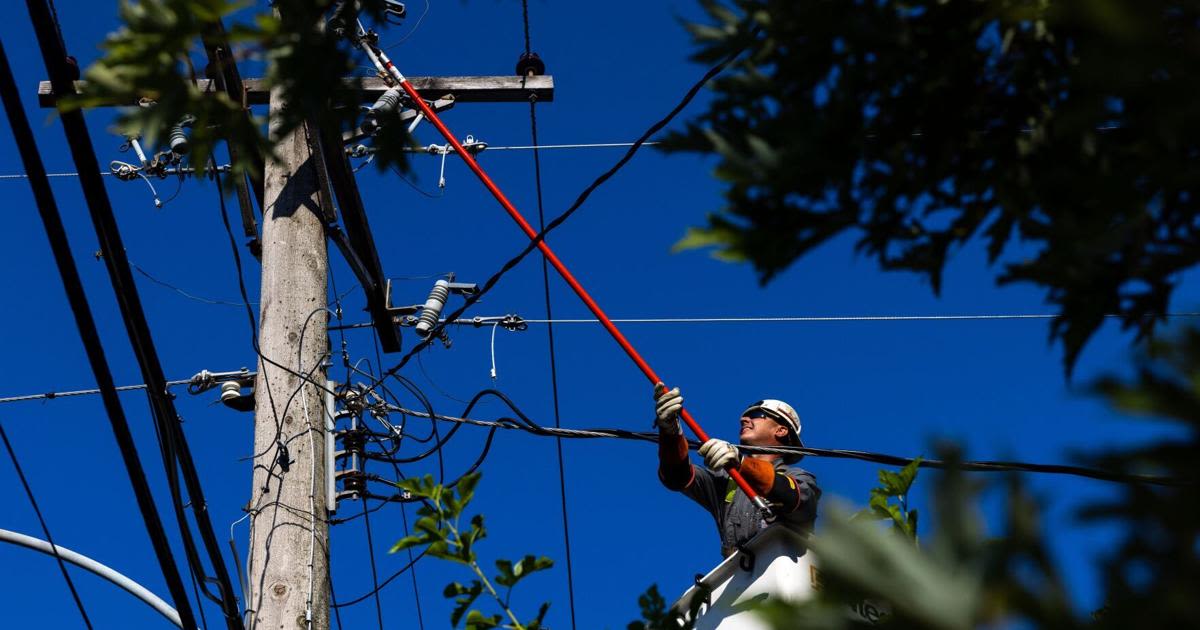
377 586
562 480
579 201
412 31
527 425
411 184
84 392
404 522
481 321
54 55
26 175
587 145
45 528
371 555
174 448
384 583
828 318
190 296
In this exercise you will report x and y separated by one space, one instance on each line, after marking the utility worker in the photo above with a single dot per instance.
793 492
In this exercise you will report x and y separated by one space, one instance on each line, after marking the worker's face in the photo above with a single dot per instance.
760 429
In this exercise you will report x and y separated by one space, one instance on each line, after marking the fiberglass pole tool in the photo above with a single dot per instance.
381 60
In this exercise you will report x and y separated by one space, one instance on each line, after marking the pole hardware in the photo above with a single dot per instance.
380 59
232 396
205 380
425 317
530 65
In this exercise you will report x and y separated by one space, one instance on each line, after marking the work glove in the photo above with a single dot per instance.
667 403
719 454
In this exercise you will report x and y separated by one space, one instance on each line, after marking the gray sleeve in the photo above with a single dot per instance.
706 488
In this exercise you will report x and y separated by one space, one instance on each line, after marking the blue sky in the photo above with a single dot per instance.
996 386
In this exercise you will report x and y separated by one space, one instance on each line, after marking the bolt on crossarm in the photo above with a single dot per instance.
380 59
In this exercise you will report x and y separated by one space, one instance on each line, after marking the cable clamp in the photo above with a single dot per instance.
514 323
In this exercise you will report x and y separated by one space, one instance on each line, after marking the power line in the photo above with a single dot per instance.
437 150
579 201
54 55
45 528
371 555
83 392
562 478
26 176
878 458
824 318
190 296
592 145
403 507
176 455
478 322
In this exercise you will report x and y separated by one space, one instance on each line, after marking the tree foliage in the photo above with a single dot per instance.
1061 133
440 531
966 577
155 56
894 485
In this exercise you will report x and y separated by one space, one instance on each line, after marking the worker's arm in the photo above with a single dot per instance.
787 493
674 469
796 492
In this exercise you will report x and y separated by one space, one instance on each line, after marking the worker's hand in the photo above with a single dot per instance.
667 403
719 454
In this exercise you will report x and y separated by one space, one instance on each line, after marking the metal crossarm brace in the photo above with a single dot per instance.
224 76
358 232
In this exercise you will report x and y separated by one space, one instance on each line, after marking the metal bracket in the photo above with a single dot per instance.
406 117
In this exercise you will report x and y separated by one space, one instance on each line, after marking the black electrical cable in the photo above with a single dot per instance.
237 260
413 571
53 53
45 528
371 554
383 584
412 561
440 443
252 320
199 602
404 521
337 613
562 479
525 21
583 196
176 457
527 425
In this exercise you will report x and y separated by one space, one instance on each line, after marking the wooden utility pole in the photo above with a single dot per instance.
288 561
288 564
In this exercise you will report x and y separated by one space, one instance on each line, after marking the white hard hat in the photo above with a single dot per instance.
782 413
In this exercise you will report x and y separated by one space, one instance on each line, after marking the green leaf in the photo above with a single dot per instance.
908 474
466 487
506 577
536 622
408 542
454 589
477 621
464 597
892 483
